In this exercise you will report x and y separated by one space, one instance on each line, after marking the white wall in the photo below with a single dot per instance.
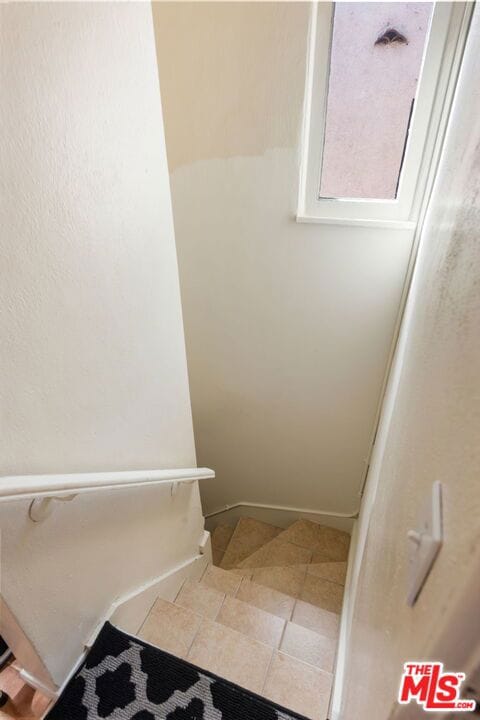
288 326
429 431
92 368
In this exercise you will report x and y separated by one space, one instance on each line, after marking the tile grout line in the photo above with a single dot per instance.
202 620
267 671
180 590
147 617
283 634
219 608
203 573
302 587
194 636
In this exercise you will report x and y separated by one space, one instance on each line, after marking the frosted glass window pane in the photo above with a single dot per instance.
371 91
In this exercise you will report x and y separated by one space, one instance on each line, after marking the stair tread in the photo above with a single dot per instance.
334 571
170 627
277 552
221 580
285 579
251 621
269 642
221 536
309 646
268 617
174 628
322 621
273 589
201 599
303 688
249 535
265 602
188 620
322 593
327 544
230 654
265 598
303 542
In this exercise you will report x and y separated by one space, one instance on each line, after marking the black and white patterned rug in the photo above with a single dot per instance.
124 678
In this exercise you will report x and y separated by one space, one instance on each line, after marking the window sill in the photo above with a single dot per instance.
358 222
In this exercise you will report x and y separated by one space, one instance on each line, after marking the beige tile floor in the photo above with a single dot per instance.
251 621
227 583
269 620
322 593
288 580
231 655
318 619
200 598
265 598
260 638
221 537
298 686
309 646
249 535
277 552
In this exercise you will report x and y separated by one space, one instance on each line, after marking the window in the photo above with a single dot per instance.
378 77
375 61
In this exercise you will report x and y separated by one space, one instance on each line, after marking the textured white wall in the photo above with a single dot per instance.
92 367
288 326
429 432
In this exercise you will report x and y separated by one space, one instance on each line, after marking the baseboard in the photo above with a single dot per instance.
276 515
129 612
343 639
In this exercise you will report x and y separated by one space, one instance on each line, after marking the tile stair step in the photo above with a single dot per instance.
266 598
326 543
304 542
220 538
298 686
268 619
298 583
309 646
245 645
332 571
249 535
262 614
277 552
321 620
199 598
281 586
225 581
289 580
252 622
286 580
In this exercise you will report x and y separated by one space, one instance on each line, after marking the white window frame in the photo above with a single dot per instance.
445 42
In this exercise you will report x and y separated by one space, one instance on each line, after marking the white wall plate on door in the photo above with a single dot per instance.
425 542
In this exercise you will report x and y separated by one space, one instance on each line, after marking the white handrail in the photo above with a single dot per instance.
28 487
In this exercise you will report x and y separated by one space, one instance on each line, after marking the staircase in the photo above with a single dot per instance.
266 614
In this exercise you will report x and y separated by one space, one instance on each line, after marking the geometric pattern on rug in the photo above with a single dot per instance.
124 678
